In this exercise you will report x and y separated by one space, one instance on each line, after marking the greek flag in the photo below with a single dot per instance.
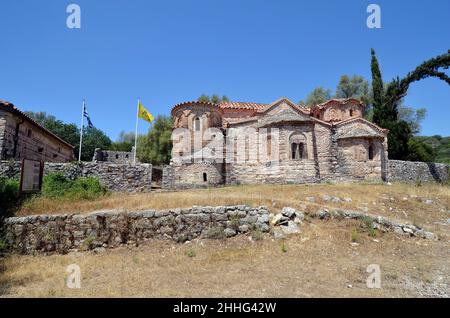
86 115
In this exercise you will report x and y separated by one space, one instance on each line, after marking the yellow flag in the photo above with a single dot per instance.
145 114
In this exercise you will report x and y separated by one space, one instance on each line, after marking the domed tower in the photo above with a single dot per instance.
196 116
196 125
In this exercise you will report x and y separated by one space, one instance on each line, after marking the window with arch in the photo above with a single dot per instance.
197 124
298 146
351 112
205 177
371 152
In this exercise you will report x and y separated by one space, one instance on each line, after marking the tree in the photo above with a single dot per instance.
317 96
420 151
156 146
377 89
387 102
67 132
92 137
125 142
413 117
213 99
355 87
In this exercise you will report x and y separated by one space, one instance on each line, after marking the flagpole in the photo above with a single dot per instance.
135 135
81 129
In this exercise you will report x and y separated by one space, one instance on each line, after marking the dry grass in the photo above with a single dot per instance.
319 262
379 199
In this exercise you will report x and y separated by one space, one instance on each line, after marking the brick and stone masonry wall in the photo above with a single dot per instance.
418 171
115 177
63 233
406 171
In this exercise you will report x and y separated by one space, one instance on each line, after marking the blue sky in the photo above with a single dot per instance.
170 51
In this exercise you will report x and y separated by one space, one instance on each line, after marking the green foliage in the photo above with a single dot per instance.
356 238
377 88
317 96
156 146
9 196
354 87
124 143
92 137
413 117
420 151
256 234
191 253
57 185
283 247
216 232
213 98
440 146
387 102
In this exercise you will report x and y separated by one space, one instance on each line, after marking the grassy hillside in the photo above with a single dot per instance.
441 146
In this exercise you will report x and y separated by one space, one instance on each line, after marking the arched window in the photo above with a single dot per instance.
269 146
351 112
197 124
294 150
371 152
301 150
298 146
205 177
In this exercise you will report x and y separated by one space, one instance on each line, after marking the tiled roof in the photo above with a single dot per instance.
242 105
13 109
340 101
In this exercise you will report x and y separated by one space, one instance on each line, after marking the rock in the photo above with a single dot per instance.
98 250
323 214
408 230
229 232
335 199
288 212
428 201
348 199
290 228
429 235
326 197
278 234
279 219
311 199
243 228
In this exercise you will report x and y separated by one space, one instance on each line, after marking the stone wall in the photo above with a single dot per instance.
116 177
62 233
418 171
113 156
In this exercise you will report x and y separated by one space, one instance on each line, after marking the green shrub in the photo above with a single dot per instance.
355 236
216 232
9 195
257 235
57 185
191 253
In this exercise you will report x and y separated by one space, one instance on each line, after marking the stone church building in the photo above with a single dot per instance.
330 141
